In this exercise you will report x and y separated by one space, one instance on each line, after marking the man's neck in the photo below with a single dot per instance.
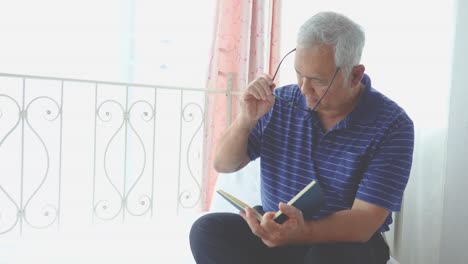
330 117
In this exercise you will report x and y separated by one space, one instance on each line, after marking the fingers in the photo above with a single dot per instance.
268 221
290 211
257 99
261 88
253 223
265 87
272 233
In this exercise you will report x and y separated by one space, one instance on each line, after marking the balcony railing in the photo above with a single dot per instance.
118 151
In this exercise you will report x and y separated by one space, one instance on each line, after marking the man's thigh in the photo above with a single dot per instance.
375 251
226 238
223 238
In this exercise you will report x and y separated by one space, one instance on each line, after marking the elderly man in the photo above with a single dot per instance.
332 127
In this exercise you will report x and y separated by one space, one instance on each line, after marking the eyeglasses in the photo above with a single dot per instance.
294 105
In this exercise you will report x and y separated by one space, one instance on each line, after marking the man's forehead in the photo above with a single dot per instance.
322 49
314 62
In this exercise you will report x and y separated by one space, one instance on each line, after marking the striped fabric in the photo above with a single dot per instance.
367 155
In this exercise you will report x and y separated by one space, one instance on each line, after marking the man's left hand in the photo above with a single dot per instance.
274 234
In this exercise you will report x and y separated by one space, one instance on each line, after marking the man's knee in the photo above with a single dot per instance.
211 237
211 227
209 224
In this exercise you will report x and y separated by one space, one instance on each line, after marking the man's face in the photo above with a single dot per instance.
315 68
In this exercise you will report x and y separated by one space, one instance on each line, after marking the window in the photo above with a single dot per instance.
156 42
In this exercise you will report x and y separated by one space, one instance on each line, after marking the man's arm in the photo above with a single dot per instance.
357 224
231 148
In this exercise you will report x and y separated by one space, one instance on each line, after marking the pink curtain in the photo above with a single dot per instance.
238 57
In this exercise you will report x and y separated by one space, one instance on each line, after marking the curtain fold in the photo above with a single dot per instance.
275 38
238 56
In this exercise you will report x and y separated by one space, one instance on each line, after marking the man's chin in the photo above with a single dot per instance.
311 103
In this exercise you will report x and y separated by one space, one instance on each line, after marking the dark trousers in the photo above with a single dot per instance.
225 238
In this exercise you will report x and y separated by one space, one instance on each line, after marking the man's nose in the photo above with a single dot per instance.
307 86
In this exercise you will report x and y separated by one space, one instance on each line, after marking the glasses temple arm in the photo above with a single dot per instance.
279 64
326 91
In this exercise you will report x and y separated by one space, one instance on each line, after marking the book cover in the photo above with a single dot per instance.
307 200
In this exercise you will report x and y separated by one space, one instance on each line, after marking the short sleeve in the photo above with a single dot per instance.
254 146
388 172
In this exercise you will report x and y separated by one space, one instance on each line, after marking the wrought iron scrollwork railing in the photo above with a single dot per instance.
147 140
125 126
190 111
22 120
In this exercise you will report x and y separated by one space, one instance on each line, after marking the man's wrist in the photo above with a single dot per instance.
307 235
245 123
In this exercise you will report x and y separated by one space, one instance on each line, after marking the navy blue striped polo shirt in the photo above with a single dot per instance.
367 155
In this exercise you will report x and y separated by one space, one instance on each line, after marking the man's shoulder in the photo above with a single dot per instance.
379 109
393 113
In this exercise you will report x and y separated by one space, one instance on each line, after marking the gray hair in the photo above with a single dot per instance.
329 28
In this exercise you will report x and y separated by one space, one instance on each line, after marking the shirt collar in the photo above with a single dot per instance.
368 105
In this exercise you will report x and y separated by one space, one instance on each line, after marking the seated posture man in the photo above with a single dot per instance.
332 127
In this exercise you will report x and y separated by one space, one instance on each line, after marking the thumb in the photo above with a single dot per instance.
290 211
269 215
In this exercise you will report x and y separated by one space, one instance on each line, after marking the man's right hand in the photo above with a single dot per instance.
257 100
231 148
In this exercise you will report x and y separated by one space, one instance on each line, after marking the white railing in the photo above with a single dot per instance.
122 150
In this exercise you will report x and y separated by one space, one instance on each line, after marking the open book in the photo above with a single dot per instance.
307 200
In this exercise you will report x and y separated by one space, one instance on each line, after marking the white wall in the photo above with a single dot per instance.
454 229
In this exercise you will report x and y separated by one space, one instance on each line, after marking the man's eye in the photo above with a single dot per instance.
319 82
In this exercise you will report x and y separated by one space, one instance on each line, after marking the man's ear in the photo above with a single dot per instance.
356 74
